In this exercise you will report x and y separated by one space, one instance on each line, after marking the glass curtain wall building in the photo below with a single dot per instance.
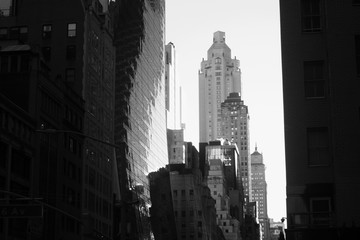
140 122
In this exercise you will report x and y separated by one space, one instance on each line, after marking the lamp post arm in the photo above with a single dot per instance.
53 131
41 203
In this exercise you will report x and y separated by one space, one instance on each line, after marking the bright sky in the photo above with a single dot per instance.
252 31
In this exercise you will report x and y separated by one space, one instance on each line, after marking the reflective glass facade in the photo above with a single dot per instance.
140 122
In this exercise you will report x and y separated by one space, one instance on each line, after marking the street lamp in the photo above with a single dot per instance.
53 131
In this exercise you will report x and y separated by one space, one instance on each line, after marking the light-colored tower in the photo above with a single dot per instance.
219 75
259 190
235 128
172 90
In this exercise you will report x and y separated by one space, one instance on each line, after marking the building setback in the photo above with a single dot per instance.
140 121
321 69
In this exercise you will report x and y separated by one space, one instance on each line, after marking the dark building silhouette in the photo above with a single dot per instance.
321 67
251 229
140 122
182 206
54 55
162 210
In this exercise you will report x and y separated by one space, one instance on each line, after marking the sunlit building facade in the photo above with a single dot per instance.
172 90
140 121
219 76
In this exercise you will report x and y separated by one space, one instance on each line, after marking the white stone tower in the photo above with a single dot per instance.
218 77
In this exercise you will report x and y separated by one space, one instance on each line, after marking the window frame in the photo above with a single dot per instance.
310 16
316 145
71 52
70 77
71 32
313 84
47 31
320 217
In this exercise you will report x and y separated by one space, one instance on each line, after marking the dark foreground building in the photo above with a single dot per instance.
321 69
57 72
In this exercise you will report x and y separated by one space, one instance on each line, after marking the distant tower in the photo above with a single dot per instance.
218 77
235 127
172 90
259 190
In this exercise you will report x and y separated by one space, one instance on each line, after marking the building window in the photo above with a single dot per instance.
46 52
24 63
46 32
72 30
318 146
320 211
4 65
70 75
23 33
71 52
314 79
3 33
14 33
357 53
311 15
218 60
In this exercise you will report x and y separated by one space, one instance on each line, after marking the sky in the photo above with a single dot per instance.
252 31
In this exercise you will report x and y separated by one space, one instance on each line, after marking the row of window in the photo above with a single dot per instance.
183 192
18 33
70 53
47 30
21 64
21 32
191 213
15 63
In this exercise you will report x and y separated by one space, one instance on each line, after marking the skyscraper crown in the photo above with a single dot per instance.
219 37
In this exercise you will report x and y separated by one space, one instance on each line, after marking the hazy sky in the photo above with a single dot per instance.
253 34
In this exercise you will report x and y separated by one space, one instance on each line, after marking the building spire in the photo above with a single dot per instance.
255 146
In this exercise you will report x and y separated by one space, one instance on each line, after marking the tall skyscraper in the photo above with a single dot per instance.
140 121
235 128
259 190
321 69
218 77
